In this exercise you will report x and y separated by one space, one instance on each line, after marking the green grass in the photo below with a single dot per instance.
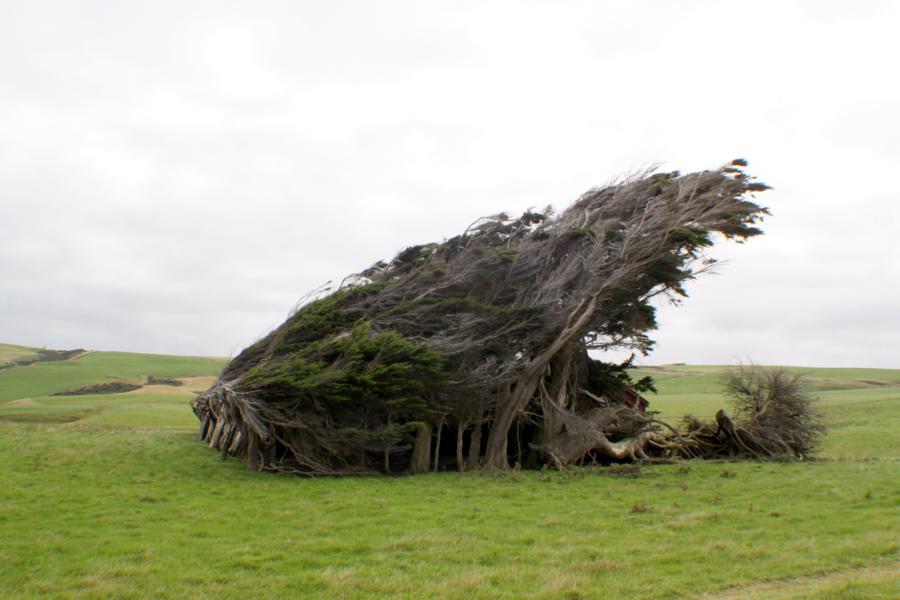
135 410
41 379
126 502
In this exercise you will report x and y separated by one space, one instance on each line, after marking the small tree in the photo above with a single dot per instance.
776 409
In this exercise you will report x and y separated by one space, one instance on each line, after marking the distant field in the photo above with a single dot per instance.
11 352
113 495
41 379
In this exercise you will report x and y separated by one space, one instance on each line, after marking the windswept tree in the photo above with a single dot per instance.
476 351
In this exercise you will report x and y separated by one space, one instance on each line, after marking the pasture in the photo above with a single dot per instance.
113 495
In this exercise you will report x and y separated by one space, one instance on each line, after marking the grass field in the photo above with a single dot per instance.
113 496
41 379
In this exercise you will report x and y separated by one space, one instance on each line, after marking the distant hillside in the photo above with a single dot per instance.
12 355
45 377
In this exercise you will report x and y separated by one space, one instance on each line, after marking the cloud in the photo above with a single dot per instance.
174 177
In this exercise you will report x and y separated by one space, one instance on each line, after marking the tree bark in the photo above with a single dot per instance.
421 453
387 451
460 462
475 440
495 456
437 444
253 462
589 433
556 398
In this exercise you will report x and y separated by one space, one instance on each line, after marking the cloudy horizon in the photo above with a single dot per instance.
175 176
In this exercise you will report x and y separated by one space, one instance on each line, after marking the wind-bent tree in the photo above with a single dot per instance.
474 352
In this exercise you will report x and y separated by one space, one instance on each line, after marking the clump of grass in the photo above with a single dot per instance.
602 566
640 507
726 474
624 470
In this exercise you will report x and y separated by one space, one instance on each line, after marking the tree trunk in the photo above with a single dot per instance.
508 410
387 451
569 448
437 444
253 462
460 462
555 398
421 453
518 464
475 440
495 454
591 432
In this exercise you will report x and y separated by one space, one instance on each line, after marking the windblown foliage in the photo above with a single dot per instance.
774 417
474 351
775 409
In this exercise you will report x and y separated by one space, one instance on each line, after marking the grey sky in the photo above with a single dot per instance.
175 175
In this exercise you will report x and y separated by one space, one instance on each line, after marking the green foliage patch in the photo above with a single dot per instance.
378 370
373 386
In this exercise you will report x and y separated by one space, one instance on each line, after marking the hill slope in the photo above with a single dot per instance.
12 352
26 391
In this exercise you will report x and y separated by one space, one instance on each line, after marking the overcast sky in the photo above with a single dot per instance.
174 176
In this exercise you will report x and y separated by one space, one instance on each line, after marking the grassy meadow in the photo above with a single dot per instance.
113 495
